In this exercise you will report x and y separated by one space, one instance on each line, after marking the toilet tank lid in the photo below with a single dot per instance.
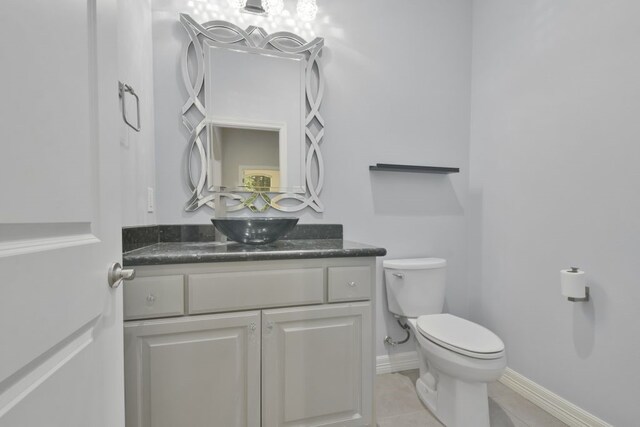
414 263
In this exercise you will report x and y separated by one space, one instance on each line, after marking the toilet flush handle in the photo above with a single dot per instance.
399 275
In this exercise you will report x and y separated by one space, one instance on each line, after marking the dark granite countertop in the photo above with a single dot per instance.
197 252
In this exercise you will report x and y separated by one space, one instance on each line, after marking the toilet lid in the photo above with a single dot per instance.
461 336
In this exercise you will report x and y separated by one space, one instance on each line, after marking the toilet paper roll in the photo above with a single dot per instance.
573 283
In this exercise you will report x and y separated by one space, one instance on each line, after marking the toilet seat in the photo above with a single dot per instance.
460 336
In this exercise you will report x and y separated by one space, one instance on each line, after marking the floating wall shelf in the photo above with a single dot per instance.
412 168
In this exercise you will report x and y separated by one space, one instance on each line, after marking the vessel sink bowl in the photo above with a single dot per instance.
254 230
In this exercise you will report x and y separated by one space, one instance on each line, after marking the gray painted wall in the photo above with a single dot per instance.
554 183
553 177
137 149
398 90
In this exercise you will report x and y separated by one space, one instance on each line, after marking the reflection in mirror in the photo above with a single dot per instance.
253 117
261 91
244 159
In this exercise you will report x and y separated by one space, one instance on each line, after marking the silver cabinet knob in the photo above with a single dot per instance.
352 284
117 274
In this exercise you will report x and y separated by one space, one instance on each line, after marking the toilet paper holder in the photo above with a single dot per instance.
586 296
586 288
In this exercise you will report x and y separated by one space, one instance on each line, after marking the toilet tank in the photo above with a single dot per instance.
415 286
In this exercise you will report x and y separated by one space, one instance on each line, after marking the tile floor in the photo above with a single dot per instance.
399 406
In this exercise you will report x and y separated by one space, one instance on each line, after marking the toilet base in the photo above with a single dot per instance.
455 403
454 386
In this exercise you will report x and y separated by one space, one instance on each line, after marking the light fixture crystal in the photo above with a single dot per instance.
307 9
273 7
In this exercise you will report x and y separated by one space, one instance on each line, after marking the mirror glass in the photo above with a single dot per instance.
255 119
249 159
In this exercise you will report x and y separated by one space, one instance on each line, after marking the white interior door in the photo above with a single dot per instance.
60 323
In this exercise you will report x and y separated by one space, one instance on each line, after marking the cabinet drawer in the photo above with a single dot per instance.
156 296
349 283
216 292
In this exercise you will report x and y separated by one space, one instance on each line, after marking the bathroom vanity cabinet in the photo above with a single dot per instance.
254 343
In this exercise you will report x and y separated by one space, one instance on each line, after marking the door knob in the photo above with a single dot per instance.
117 274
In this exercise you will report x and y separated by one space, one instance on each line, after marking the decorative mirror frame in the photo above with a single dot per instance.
314 123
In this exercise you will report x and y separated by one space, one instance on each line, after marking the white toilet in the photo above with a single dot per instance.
457 357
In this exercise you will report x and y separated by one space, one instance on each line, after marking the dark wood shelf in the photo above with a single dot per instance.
412 168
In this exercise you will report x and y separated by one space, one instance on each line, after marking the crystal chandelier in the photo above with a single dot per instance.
307 10
237 3
273 7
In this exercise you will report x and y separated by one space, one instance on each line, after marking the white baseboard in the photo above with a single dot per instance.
397 362
560 408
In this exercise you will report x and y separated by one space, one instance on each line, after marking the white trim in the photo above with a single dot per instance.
560 408
24 387
28 246
396 362
565 411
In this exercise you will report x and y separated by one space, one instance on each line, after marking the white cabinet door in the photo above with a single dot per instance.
60 227
317 366
194 371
